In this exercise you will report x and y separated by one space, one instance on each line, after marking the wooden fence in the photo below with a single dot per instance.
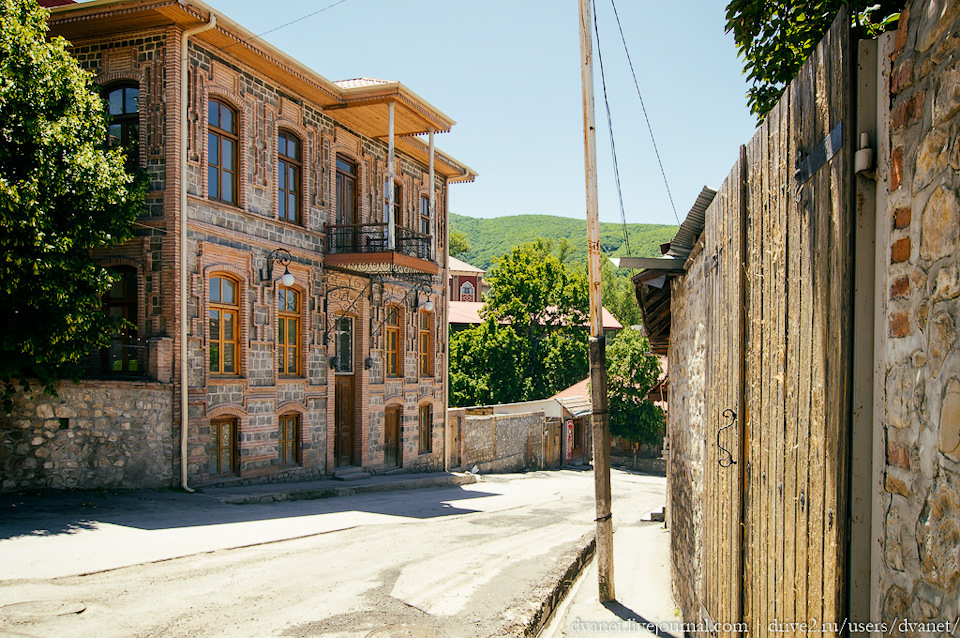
779 280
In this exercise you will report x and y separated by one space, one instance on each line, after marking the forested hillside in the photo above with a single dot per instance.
495 237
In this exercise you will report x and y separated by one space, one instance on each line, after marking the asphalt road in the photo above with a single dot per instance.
456 561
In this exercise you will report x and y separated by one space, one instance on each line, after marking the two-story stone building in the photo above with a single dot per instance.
287 278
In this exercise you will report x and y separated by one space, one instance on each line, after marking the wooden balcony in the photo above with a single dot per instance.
364 248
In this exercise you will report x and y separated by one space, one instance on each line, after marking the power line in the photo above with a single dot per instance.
613 145
644 108
282 26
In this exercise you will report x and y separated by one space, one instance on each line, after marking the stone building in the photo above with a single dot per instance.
814 464
287 279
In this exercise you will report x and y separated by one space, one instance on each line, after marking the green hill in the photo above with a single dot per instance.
490 238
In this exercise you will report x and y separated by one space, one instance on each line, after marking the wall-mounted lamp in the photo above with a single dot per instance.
282 257
368 363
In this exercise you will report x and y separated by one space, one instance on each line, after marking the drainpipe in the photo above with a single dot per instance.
184 323
391 222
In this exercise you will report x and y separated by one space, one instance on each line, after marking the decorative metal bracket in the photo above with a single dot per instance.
281 256
728 461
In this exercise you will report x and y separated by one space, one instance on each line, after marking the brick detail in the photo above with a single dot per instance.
896 168
900 325
908 111
902 76
898 455
901 217
900 287
901 39
900 251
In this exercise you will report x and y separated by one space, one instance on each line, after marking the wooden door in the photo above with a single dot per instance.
391 438
344 416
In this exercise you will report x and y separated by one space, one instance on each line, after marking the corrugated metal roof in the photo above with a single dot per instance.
354 83
692 225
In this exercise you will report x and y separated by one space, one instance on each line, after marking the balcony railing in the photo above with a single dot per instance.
345 239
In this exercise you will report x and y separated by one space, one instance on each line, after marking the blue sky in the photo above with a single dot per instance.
508 72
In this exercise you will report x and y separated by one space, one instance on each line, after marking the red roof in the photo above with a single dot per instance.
54 3
468 312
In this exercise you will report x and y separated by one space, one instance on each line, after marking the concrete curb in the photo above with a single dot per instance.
530 619
346 490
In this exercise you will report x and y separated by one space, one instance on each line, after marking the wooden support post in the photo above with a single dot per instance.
598 356
391 222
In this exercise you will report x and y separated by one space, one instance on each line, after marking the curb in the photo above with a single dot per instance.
531 619
347 490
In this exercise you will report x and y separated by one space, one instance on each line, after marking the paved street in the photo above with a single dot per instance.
456 561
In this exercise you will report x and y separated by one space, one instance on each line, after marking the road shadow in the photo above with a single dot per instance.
623 612
68 512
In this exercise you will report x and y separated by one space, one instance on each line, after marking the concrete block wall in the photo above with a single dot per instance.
920 371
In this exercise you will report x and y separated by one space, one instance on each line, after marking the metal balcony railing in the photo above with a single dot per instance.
372 238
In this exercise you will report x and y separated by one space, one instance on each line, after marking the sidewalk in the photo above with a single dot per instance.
54 534
644 604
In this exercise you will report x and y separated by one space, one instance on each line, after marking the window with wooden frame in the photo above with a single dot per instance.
393 341
223 143
288 332
425 323
346 240
343 340
123 105
289 176
425 428
288 445
120 301
223 448
224 313
425 215
466 291
397 204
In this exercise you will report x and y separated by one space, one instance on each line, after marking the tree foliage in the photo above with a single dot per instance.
458 243
62 193
775 37
631 373
533 342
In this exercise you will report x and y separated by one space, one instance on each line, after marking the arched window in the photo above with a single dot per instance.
393 323
121 357
466 291
222 152
289 176
288 333
288 445
425 428
123 105
224 325
425 322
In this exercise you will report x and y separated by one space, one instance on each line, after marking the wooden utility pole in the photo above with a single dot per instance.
600 419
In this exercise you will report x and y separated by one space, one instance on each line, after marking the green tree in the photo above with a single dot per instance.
62 193
533 341
631 372
775 37
458 243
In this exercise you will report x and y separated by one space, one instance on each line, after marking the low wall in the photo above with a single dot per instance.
94 434
503 443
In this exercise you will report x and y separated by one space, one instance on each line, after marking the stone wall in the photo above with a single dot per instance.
94 434
503 443
920 383
685 430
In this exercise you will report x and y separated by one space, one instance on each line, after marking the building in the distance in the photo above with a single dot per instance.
287 279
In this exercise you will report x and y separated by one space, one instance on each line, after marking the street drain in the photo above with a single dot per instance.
42 608
405 631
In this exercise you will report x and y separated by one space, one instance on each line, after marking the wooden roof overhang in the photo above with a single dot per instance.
361 108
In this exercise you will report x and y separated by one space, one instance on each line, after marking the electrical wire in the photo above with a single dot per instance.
282 26
613 145
644 108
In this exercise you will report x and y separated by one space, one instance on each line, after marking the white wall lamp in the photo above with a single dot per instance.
282 257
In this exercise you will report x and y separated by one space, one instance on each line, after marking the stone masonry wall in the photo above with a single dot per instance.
502 443
920 576
685 428
92 435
